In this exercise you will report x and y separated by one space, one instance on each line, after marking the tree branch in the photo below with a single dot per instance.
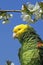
10 10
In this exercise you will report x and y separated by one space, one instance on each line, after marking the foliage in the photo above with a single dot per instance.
30 13
9 62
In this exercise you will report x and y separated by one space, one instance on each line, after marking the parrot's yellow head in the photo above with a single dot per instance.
19 30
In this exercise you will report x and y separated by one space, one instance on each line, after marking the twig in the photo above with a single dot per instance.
10 10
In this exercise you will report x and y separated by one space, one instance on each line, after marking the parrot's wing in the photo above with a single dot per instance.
40 46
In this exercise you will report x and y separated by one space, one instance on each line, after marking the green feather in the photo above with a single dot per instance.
29 53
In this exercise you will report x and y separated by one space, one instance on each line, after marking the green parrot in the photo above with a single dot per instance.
31 51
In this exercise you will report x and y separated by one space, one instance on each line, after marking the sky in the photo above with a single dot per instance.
9 47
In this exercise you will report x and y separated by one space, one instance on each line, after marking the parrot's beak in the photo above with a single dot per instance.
14 35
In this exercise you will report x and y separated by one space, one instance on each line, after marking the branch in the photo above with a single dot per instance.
4 15
30 13
10 10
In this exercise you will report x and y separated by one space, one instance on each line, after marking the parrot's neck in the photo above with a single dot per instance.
29 35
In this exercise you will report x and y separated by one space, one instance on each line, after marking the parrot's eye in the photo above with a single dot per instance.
19 29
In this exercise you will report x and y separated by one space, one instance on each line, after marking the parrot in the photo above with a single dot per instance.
31 50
